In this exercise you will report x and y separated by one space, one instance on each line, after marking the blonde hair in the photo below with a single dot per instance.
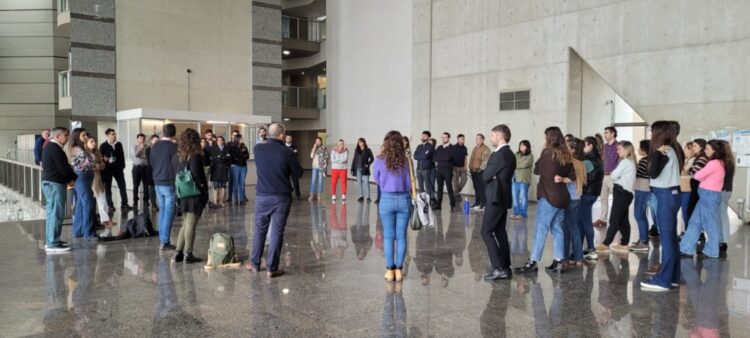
629 150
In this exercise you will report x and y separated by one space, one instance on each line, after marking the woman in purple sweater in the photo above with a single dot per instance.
391 173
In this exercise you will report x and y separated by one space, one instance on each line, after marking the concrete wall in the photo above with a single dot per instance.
266 42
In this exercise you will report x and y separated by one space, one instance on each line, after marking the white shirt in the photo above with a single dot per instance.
624 174
500 147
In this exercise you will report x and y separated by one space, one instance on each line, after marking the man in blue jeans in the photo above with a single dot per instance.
275 164
56 175
163 176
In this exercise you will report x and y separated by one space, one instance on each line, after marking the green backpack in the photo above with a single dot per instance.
185 184
221 252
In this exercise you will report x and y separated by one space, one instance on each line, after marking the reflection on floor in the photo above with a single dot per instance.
334 286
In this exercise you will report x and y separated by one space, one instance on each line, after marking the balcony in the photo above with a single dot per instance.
64 101
63 13
303 102
301 37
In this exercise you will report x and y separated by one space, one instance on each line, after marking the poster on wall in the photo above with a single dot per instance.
741 147
723 134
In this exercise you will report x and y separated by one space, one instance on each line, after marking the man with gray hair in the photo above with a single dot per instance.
275 163
56 175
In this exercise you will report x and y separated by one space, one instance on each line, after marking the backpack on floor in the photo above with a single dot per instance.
221 252
140 226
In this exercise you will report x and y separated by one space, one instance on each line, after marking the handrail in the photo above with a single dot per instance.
33 166
313 30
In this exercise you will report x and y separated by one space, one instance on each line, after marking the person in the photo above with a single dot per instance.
478 161
498 181
220 161
553 166
444 164
361 168
150 174
262 135
209 137
642 198
685 178
289 143
392 173
83 165
572 228
699 148
726 193
190 156
114 159
424 154
140 162
706 215
39 146
623 181
459 165
433 171
163 175
239 156
56 175
97 186
522 180
321 159
591 191
275 163
610 163
339 162
230 182
664 170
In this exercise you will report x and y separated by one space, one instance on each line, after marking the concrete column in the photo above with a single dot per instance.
266 56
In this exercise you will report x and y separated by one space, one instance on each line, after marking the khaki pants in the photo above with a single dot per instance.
459 180
607 187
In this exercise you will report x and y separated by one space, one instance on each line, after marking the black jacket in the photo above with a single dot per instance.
240 154
194 204
459 155
220 160
594 179
423 155
55 165
444 157
499 177
118 153
275 163
160 160
362 159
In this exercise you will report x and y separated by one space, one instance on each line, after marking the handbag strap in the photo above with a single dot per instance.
411 178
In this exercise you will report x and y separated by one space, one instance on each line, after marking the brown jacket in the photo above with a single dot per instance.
547 168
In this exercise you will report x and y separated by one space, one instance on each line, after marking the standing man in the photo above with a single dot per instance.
56 175
149 175
262 135
423 155
163 176
114 160
459 165
275 164
444 161
480 155
498 176
611 159
39 145
140 165
289 143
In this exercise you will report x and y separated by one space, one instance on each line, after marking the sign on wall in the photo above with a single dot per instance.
741 147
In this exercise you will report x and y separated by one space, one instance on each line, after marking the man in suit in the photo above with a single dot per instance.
443 158
498 178
114 160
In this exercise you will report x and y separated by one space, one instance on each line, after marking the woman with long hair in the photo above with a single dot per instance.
664 165
623 179
591 191
320 162
361 168
642 197
220 162
554 165
699 149
685 178
339 162
572 224
391 172
726 193
83 164
522 180
97 186
190 156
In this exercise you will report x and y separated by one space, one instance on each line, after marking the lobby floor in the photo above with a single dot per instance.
334 285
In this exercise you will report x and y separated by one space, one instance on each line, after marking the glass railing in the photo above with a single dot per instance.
303 97
303 29
63 83
63 6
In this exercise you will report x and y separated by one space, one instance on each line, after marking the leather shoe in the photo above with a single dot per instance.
274 274
498 274
530 266
250 267
556 266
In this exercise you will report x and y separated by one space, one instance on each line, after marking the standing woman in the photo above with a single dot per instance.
623 179
664 166
699 148
433 171
97 186
220 161
591 191
726 193
339 161
554 165
190 155
642 192
522 180
392 173
83 164
361 168
320 161
572 223
685 178
240 155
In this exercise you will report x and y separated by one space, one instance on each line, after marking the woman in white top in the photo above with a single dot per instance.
623 178
339 160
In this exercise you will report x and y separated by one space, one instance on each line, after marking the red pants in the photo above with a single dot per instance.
336 175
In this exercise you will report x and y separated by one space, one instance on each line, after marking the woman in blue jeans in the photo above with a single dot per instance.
82 162
522 180
642 191
572 225
321 158
591 190
392 174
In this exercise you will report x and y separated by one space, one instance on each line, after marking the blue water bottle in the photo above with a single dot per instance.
466 206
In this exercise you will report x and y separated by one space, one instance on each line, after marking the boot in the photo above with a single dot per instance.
191 259
178 257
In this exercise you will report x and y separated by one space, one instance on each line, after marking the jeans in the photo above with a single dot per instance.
364 184
654 206
316 182
83 214
548 219
724 213
166 196
55 194
684 203
639 211
426 182
573 239
705 218
520 198
271 211
237 193
394 213
586 219
668 200
478 182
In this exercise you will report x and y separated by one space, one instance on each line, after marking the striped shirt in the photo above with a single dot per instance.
643 168
698 164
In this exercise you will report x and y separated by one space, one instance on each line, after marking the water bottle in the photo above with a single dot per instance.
466 206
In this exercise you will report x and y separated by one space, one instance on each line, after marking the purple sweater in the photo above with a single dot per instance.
390 181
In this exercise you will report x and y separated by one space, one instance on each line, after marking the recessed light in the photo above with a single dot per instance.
303 73
286 119
286 52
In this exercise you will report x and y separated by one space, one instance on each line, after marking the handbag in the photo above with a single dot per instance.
414 222
185 184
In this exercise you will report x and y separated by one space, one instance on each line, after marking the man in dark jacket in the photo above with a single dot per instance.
163 175
498 178
459 165
275 163
114 159
56 175
289 143
39 145
444 160
423 155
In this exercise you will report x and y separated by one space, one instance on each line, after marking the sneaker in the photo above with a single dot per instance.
592 255
639 247
166 247
57 248
343 197
652 287
603 249
333 198
620 248
654 232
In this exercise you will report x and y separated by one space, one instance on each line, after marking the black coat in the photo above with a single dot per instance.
240 154
362 159
194 204
594 179
220 160
118 153
499 177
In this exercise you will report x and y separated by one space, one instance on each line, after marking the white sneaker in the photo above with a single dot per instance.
333 198
593 255
343 197
476 208
649 286
56 249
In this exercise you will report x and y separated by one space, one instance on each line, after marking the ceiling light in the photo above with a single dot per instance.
303 73
286 52
286 119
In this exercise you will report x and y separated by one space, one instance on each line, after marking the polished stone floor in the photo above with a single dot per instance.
333 255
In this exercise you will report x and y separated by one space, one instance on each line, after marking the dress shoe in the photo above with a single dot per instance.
723 247
530 266
274 274
166 247
498 274
178 257
191 259
360 199
390 275
556 266
453 208
397 276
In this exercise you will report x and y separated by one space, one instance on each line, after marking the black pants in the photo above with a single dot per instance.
693 201
140 176
120 179
618 218
425 182
476 180
295 185
445 178
495 236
